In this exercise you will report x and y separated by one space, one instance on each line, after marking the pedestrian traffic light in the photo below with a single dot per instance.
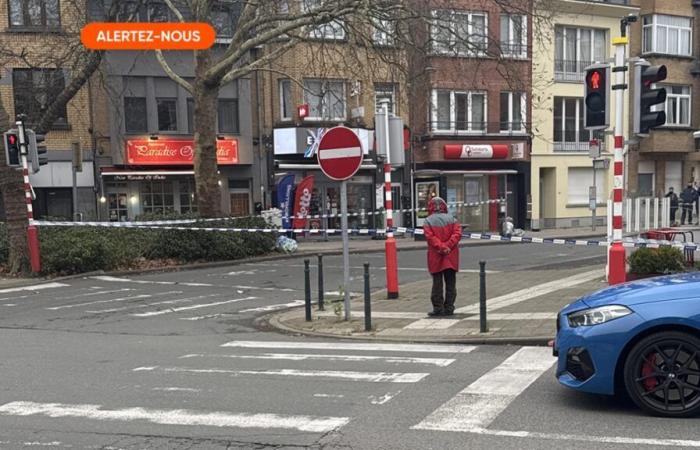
12 155
645 97
37 150
597 93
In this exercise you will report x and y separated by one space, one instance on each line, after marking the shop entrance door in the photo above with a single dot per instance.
240 204
118 206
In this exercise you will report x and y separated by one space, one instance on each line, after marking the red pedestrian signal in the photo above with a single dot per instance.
594 80
597 93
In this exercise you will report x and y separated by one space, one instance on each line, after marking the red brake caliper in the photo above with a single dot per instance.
647 369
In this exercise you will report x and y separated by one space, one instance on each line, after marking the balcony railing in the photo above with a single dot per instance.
460 127
576 146
569 70
513 50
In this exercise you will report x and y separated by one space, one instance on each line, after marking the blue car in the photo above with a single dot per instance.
642 337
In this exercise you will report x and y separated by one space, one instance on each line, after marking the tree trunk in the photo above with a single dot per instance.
205 97
12 186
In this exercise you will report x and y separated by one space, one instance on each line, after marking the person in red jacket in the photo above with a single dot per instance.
443 233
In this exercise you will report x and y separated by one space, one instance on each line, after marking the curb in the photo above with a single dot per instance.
270 322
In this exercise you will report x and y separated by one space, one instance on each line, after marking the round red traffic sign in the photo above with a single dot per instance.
340 153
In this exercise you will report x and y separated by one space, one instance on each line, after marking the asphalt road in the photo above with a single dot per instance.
172 360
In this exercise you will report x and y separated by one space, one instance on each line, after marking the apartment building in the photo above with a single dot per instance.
562 171
471 109
667 34
34 70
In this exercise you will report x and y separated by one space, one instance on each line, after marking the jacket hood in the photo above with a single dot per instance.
437 205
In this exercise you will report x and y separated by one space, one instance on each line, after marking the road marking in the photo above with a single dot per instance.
532 292
189 308
314 424
517 316
440 362
407 269
96 302
129 280
176 389
255 288
274 307
90 294
368 347
10 304
379 314
431 324
372 377
375 400
36 287
329 395
482 401
147 305
209 316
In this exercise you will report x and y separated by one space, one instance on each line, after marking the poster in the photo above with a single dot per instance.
284 196
302 202
425 190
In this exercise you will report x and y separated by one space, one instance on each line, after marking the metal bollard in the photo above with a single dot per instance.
307 290
368 305
320 282
483 325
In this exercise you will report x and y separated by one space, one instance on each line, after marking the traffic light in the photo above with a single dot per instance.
37 150
12 154
597 93
645 75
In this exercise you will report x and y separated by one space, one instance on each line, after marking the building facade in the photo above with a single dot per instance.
667 34
562 170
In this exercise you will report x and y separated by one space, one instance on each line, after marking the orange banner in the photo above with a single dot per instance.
175 152
147 36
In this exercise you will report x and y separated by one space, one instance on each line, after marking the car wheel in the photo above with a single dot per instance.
662 374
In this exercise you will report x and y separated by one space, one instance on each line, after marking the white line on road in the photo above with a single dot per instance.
92 293
407 269
372 377
96 302
312 424
532 292
129 280
9 304
148 305
176 389
368 347
36 287
273 307
431 324
209 316
380 315
440 362
482 401
255 288
189 308
375 400
329 395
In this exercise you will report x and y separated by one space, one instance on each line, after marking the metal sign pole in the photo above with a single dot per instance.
346 245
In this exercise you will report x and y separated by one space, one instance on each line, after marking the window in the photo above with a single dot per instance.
190 115
34 89
579 180
514 35
128 11
677 106
576 48
671 35
513 111
286 111
326 99
385 91
383 32
333 30
159 12
34 13
228 116
167 114
188 199
135 116
458 111
459 33
569 134
157 197
223 18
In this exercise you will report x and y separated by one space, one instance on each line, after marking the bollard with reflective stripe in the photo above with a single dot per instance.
320 282
368 305
307 290
483 325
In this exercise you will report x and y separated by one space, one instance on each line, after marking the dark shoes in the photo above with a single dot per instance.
449 312
436 313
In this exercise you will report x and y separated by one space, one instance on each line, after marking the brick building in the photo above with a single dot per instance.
28 83
471 109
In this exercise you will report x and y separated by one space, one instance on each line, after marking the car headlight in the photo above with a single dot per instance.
596 316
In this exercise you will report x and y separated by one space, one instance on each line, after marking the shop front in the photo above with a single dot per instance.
482 184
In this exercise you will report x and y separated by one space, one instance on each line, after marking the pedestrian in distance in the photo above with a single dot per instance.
688 197
697 202
674 204
443 233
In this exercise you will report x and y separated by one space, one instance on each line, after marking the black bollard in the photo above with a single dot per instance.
320 282
483 325
307 290
368 306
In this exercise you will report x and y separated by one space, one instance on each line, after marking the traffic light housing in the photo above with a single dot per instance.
597 95
645 97
12 152
37 150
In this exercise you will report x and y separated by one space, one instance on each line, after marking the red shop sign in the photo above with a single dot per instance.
477 151
176 152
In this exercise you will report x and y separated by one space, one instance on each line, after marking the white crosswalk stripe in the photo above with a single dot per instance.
440 362
418 348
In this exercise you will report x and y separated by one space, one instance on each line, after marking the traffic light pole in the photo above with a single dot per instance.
392 272
32 231
616 253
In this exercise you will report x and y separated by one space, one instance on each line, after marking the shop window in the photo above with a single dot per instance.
385 91
326 99
135 117
34 90
285 89
37 14
188 199
117 202
167 114
157 197
228 116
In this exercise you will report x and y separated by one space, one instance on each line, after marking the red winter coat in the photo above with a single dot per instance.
443 233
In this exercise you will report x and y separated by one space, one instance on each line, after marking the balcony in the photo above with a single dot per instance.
569 71
575 146
513 50
478 128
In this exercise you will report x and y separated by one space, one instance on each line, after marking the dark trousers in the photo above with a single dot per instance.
444 302
673 213
687 208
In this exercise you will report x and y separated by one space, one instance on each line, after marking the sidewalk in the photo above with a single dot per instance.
522 308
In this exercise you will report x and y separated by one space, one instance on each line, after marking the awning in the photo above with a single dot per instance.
317 167
126 173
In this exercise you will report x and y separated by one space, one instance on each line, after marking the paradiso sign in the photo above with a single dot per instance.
176 152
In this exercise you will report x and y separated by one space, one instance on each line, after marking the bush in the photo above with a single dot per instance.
664 260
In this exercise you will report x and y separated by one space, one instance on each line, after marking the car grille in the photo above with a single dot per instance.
579 363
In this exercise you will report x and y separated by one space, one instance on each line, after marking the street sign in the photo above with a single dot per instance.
601 164
594 148
340 153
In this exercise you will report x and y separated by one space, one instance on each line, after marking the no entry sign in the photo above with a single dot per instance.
340 153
